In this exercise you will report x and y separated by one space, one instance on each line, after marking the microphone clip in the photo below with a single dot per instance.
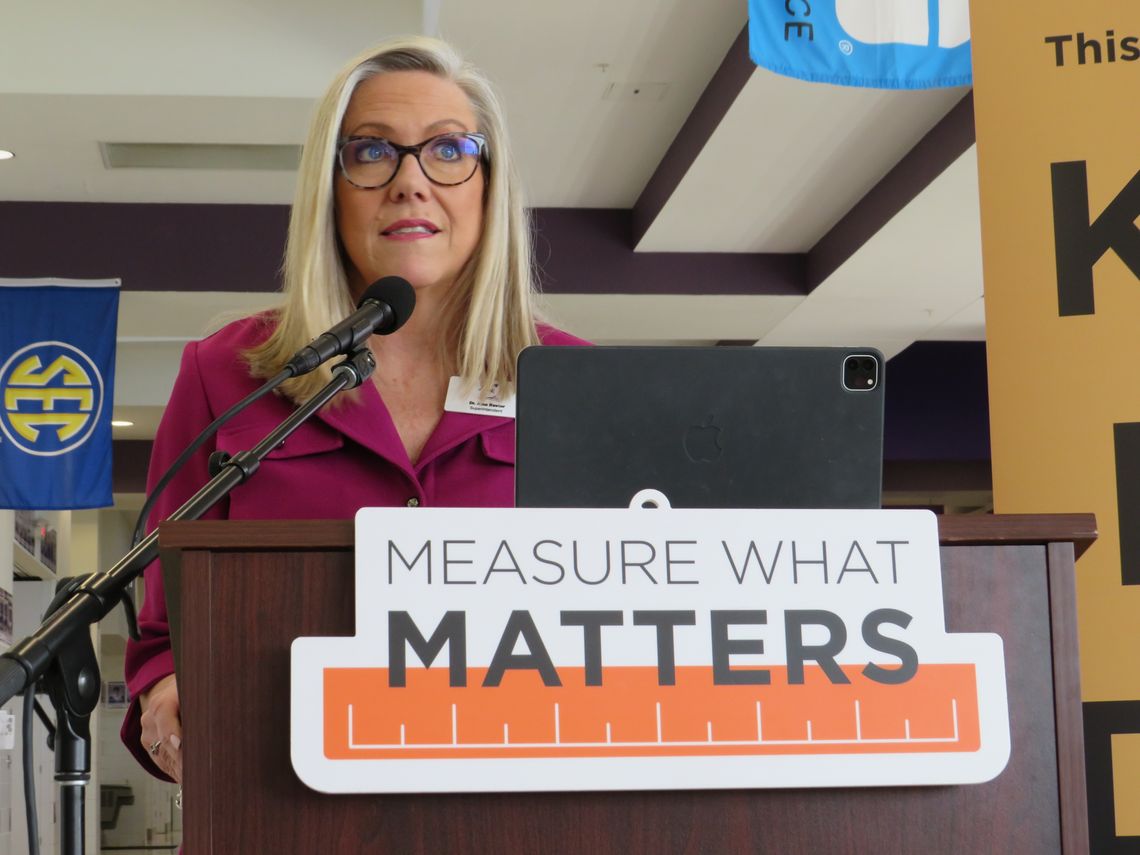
357 366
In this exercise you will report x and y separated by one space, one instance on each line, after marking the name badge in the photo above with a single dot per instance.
480 403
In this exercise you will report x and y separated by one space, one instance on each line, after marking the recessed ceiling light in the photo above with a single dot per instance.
5 154
121 423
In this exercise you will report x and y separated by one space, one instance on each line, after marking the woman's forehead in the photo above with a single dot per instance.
414 103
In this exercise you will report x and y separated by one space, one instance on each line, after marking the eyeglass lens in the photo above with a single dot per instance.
448 159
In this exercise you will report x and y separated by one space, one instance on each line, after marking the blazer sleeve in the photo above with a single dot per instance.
150 659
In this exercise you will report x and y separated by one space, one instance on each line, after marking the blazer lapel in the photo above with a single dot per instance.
367 421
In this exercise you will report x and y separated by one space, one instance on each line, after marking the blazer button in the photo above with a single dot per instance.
413 502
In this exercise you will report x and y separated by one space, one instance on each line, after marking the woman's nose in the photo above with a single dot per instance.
409 179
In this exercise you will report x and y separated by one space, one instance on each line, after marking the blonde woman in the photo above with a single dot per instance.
406 171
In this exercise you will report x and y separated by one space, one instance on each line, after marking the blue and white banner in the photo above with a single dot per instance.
57 377
881 44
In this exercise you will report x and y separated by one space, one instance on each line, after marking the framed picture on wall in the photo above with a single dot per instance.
115 695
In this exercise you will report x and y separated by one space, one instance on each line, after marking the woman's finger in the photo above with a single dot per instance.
161 726
170 758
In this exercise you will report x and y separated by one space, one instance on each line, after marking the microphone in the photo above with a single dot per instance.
384 307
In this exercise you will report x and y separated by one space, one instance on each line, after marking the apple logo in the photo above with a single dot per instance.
702 442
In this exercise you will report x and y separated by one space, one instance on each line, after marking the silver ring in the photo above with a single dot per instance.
154 746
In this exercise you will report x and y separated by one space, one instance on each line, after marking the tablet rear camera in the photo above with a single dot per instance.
860 373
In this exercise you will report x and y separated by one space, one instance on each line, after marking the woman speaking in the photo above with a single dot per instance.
406 171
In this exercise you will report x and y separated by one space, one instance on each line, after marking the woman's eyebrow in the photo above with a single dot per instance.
443 123
386 131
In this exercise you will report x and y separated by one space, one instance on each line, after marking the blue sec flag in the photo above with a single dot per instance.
881 44
57 378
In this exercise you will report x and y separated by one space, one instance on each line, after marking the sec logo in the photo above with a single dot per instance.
52 398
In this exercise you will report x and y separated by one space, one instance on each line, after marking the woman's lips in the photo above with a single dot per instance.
409 235
410 230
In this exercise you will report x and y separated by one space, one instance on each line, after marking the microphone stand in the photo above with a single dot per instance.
60 652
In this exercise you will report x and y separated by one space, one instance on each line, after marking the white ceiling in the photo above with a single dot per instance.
251 48
918 278
555 62
787 162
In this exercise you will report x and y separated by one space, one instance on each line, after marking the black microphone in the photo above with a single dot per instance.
384 307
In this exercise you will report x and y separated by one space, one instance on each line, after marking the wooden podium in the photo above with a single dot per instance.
248 589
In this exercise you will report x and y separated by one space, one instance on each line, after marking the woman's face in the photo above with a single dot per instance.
410 227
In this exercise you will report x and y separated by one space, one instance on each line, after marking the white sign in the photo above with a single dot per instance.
531 649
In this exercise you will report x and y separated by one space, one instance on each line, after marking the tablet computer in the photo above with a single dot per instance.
709 427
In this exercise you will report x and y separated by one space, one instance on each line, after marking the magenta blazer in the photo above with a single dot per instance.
343 459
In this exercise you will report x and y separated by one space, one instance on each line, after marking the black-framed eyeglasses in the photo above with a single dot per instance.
447 159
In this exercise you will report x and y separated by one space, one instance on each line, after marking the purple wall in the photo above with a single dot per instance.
937 403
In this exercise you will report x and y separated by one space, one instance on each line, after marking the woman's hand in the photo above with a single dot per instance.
162 726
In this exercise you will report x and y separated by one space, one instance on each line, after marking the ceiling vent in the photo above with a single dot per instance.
199 156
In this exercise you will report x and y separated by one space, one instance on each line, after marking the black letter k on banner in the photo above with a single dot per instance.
1080 244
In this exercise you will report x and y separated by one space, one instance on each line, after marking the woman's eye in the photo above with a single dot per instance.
372 152
447 150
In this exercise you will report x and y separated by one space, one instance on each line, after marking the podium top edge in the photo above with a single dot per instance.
337 535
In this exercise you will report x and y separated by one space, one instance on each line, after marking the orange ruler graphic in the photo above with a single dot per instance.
630 715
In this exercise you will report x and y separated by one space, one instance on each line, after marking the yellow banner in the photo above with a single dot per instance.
1057 108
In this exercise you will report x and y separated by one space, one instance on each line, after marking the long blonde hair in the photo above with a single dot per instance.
488 314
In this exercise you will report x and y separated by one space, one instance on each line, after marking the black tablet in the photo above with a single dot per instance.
729 427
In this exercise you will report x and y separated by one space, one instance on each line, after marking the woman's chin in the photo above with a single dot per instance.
421 278
423 282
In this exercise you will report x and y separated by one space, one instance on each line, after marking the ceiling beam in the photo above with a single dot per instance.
730 78
151 247
238 248
589 251
941 146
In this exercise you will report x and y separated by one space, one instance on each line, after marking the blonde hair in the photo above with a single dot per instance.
488 316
